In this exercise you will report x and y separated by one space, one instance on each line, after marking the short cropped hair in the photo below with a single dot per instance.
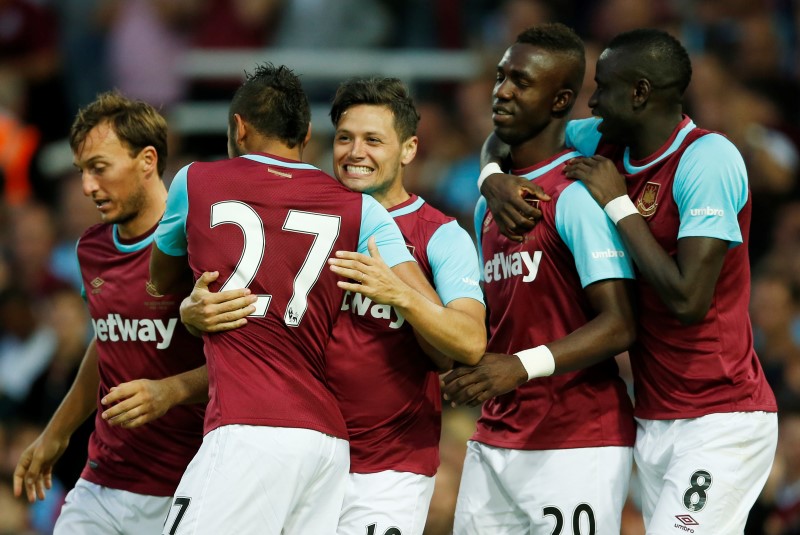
137 124
659 57
389 92
559 38
272 100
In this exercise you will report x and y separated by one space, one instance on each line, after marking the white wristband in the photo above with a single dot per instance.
489 169
619 208
538 361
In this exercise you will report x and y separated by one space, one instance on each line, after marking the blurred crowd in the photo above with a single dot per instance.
56 55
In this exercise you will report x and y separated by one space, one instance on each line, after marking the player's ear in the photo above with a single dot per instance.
305 141
148 159
240 129
563 101
409 150
641 92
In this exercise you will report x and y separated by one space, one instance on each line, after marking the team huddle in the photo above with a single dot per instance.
272 344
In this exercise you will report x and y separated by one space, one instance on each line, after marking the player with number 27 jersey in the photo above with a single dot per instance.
275 436
280 220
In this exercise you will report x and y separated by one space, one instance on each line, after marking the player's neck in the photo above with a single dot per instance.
391 197
540 148
148 216
653 133
277 148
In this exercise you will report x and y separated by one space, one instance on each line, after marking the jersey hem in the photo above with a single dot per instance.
294 424
626 443
685 415
145 489
374 469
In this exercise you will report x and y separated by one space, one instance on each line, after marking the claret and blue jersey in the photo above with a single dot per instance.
271 224
535 295
138 335
694 186
386 385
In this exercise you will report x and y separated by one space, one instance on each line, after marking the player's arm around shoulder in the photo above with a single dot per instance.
207 311
505 193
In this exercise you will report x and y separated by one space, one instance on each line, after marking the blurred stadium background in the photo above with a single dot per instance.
187 56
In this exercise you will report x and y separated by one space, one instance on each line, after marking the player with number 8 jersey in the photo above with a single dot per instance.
275 439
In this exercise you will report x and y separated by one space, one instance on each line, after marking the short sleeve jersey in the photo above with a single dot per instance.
271 224
139 336
387 387
695 185
535 295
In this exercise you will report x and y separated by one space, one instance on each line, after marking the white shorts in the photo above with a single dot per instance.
507 491
92 509
261 480
386 503
702 475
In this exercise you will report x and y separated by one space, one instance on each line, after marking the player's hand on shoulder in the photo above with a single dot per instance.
599 175
136 403
494 375
34 470
509 198
207 311
369 275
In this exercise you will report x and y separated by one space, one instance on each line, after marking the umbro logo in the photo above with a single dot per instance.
96 284
686 521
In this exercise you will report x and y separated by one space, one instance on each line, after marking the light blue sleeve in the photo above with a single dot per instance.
170 236
480 213
591 237
710 190
582 135
454 264
376 221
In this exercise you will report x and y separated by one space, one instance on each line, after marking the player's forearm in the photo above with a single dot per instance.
187 387
493 151
442 362
454 333
605 336
81 399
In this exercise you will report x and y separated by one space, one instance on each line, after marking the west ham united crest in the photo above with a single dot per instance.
648 200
